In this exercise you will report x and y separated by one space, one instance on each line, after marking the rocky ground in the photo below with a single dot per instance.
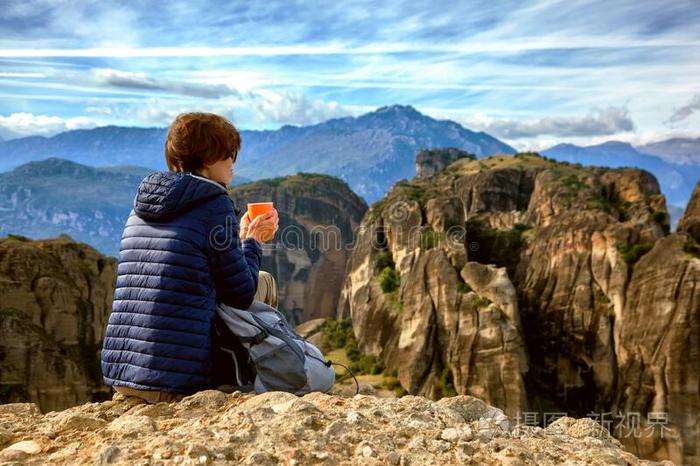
212 427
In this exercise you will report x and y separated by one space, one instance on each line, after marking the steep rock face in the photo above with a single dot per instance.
566 239
318 215
55 299
659 350
572 276
211 427
690 221
609 304
452 325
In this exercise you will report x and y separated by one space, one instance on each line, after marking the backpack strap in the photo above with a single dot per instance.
254 340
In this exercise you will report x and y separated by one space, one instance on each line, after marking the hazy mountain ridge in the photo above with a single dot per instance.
675 150
47 198
98 147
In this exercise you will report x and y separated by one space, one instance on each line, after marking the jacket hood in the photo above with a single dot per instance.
162 196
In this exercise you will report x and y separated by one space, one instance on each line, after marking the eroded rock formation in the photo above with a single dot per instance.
318 215
55 299
537 286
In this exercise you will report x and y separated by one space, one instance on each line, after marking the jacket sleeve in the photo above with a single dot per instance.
234 264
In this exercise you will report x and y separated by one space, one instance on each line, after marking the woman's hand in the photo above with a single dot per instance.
244 223
263 227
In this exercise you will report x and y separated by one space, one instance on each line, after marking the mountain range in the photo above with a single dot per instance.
369 152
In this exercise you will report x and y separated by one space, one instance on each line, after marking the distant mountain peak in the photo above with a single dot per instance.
397 108
681 150
565 145
615 144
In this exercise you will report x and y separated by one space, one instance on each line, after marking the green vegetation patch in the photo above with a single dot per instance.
611 206
661 217
463 287
430 239
18 237
573 183
488 245
383 260
338 335
482 302
376 210
389 279
445 384
393 384
414 190
692 248
632 252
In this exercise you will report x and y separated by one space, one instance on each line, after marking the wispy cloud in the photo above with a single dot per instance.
682 113
600 122
535 44
535 68
131 80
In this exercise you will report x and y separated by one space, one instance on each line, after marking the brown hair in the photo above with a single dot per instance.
197 139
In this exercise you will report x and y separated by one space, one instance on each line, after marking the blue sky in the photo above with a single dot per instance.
530 73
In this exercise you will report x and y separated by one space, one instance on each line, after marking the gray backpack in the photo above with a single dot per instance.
282 359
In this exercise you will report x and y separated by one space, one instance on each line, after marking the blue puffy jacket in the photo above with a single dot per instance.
180 254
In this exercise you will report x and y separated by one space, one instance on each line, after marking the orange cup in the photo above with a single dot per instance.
257 208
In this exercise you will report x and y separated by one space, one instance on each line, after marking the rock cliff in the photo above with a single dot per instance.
55 299
318 215
539 287
690 221
214 428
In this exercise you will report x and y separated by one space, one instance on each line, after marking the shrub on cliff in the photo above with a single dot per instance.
389 280
632 252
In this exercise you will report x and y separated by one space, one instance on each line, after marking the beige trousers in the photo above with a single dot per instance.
266 292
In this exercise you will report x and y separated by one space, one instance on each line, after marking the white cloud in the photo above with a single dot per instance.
250 110
534 67
27 124
295 108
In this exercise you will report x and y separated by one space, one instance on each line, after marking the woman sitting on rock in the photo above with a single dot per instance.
181 253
